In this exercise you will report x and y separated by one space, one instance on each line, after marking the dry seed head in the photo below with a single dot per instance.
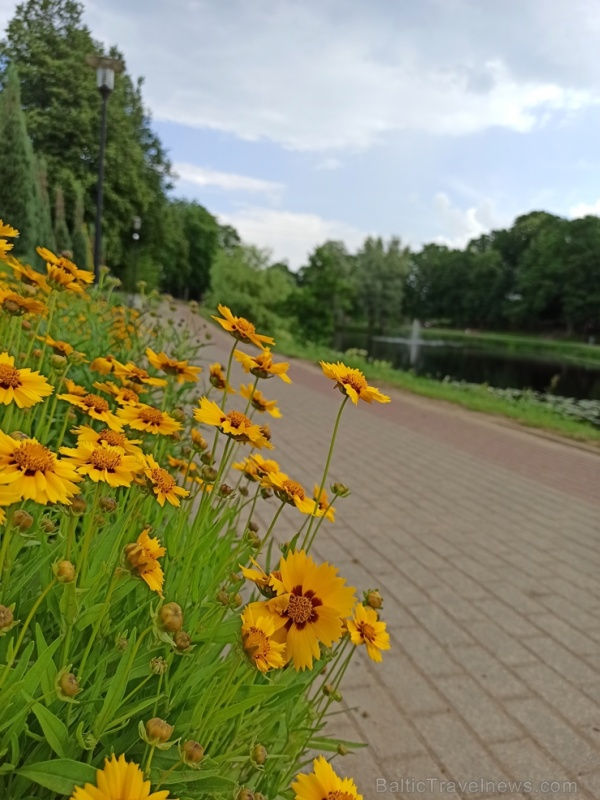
225 490
6 617
192 752
108 504
64 571
22 520
158 730
182 641
48 525
171 617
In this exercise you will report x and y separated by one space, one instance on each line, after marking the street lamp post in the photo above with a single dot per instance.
106 68
137 224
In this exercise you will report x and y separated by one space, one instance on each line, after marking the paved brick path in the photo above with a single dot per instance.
485 541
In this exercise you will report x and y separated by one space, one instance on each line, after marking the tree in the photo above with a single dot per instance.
18 191
381 271
61 229
82 246
45 231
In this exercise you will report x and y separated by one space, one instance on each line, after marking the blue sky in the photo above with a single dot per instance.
303 120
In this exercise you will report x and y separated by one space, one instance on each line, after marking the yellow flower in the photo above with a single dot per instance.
74 388
147 418
259 401
130 372
101 462
323 503
233 423
181 369
255 467
8 496
107 436
142 557
94 406
103 365
35 473
163 484
8 230
217 378
124 395
28 275
291 492
312 601
241 329
16 305
21 386
5 246
60 348
119 780
323 784
56 265
257 631
352 383
365 627
257 575
262 366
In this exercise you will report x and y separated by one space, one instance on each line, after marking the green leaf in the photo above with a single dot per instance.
60 776
117 688
331 745
209 784
43 669
54 730
69 603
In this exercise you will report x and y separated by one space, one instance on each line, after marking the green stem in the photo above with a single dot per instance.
87 537
5 544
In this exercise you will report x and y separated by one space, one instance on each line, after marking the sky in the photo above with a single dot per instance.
299 121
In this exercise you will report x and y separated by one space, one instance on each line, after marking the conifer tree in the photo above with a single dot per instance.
81 241
17 172
61 230
45 232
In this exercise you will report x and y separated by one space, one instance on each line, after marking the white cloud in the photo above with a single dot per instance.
228 181
461 225
290 235
341 75
585 209
329 163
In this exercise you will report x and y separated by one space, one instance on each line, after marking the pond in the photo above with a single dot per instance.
478 363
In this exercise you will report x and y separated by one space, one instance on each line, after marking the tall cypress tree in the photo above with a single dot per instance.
17 170
61 230
81 240
44 212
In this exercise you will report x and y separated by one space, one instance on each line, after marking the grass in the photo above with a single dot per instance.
475 398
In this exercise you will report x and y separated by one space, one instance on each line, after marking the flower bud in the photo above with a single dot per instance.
342 750
158 730
171 617
58 362
78 506
199 441
19 436
208 474
182 641
235 577
253 539
192 752
266 492
328 690
178 414
48 525
64 571
223 598
37 353
236 600
158 665
259 754
225 490
68 684
245 794
108 504
121 643
337 696
26 325
22 520
339 490
6 618
374 598
253 526
207 458
259 796
243 490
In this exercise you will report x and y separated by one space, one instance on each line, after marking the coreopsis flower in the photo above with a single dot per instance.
241 329
255 467
101 462
198 440
35 472
149 419
181 465
217 378
8 496
95 407
142 557
323 784
291 492
23 387
124 395
262 366
232 423
131 372
181 369
366 628
6 232
162 483
28 275
257 630
59 264
259 401
73 388
59 348
109 437
16 305
352 383
119 780
103 364
324 504
311 603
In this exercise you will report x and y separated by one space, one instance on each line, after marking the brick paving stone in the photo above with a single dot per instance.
485 541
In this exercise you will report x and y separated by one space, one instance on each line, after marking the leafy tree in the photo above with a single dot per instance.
18 190
381 271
